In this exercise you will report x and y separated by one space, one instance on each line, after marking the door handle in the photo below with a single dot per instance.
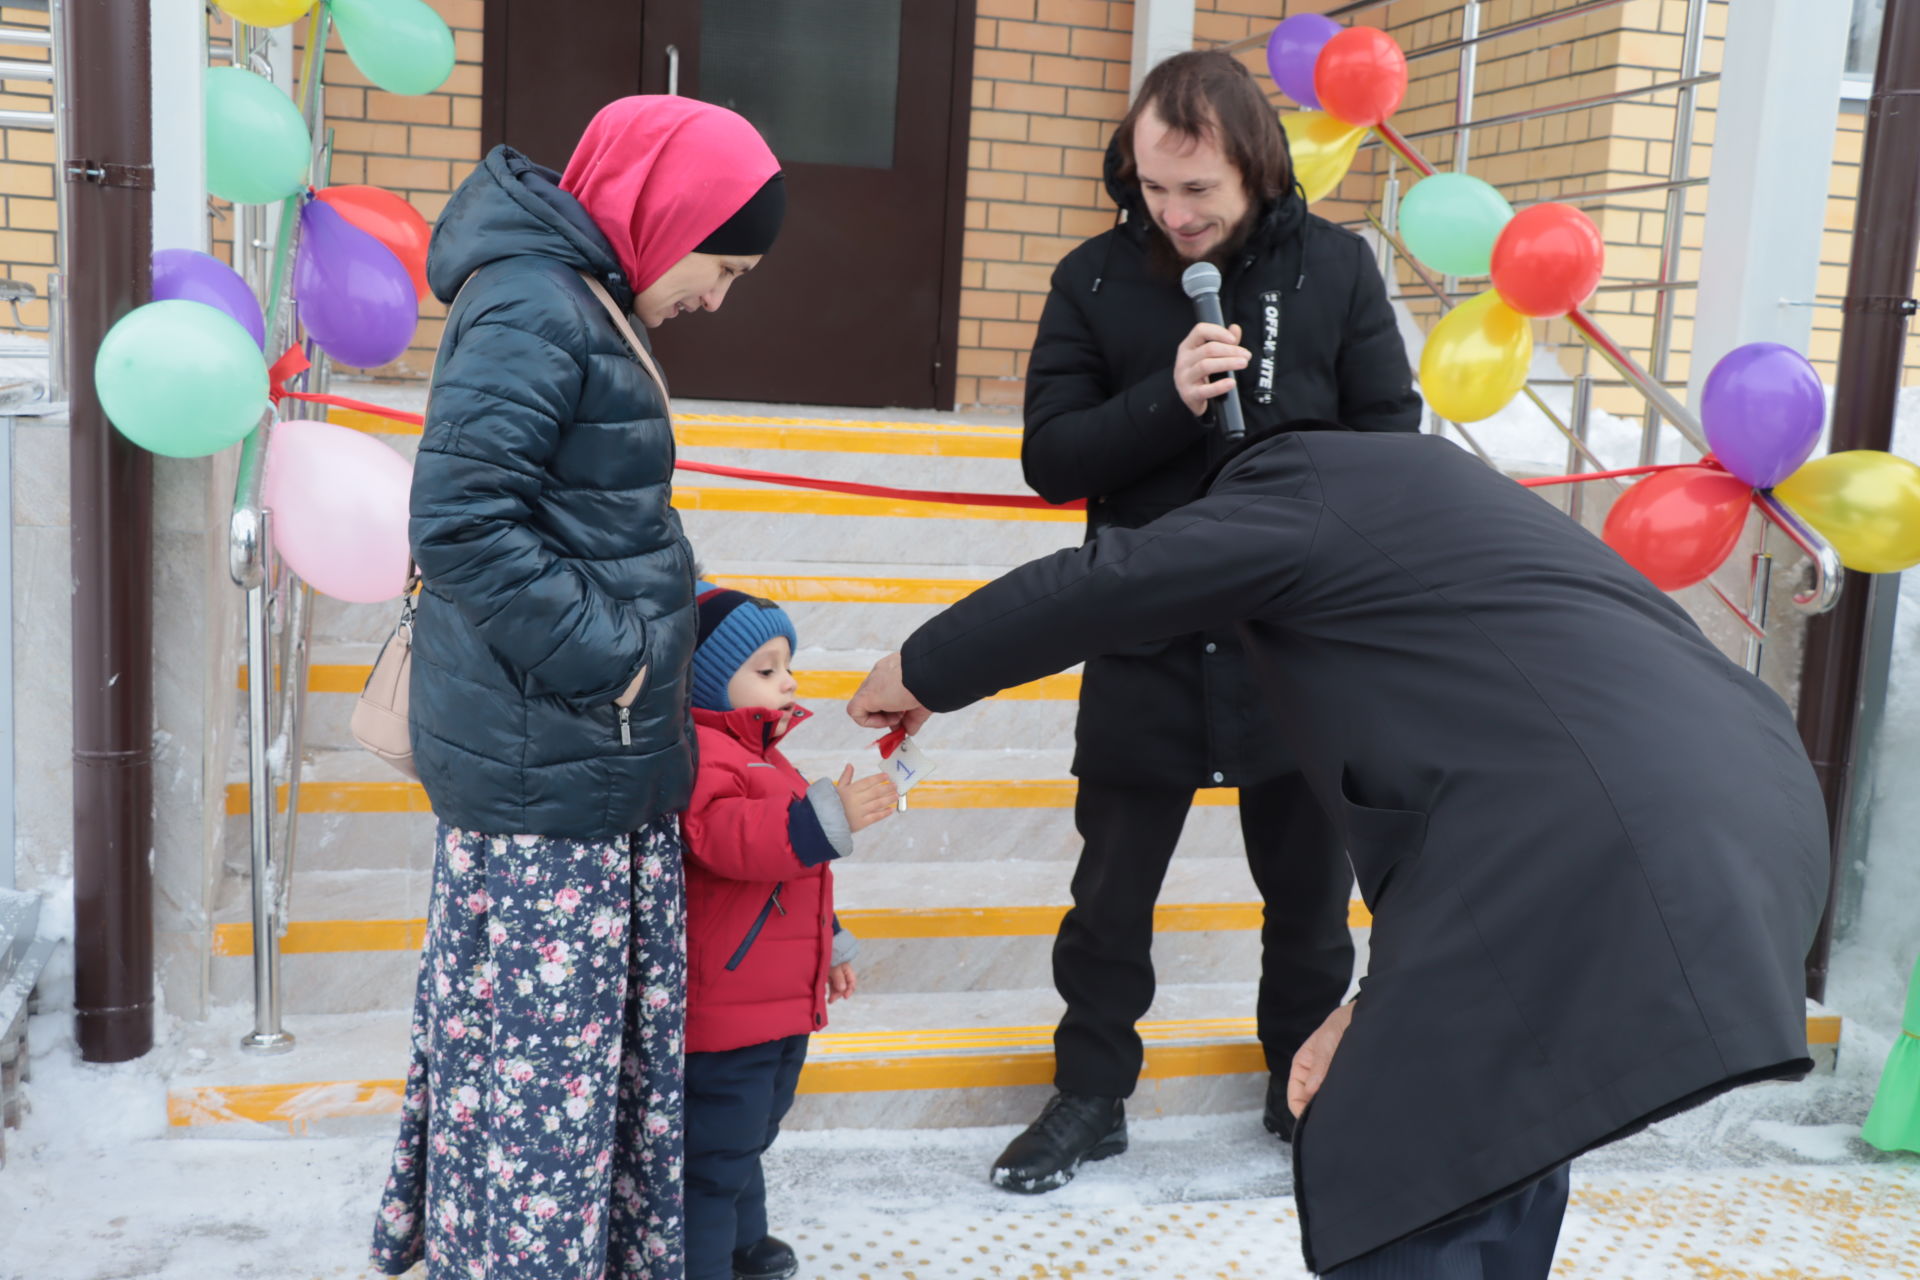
673 70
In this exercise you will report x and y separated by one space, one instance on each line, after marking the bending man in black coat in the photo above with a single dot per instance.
1121 393
1593 847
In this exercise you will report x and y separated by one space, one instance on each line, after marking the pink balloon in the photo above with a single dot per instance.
339 503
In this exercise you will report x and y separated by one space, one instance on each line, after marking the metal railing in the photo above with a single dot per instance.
18 291
279 606
1661 406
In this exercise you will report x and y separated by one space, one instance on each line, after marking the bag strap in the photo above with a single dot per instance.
639 348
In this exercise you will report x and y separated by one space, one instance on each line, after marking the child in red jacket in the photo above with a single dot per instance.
765 955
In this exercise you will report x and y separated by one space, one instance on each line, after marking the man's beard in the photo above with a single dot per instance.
1165 260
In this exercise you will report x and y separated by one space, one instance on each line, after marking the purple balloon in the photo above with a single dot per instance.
188 276
1293 49
356 299
1762 408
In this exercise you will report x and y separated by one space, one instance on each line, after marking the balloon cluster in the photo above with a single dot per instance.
1762 407
1545 261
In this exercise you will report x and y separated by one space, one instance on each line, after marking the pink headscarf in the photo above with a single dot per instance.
659 174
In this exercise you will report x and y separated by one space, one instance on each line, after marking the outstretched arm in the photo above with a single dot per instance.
1230 556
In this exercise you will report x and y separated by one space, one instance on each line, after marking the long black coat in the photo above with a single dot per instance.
555 567
1104 423
1593 847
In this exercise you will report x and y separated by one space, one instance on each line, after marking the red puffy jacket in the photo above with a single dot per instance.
759 888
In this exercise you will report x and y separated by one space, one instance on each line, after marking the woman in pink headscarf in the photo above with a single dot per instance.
541 1130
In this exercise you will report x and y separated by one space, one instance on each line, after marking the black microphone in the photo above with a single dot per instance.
1202 283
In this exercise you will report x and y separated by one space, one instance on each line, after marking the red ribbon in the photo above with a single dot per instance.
1710 462
295 362
1023 500
891 743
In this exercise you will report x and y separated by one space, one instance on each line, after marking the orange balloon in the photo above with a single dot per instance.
390 220
1361 76
1679 526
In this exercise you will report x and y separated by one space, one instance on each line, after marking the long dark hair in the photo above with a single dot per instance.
1206 95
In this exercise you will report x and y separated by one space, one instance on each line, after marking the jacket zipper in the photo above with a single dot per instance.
759 923
626 726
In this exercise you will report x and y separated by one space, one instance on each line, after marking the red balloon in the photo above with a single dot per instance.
1548 260
390 220
1679 526
1361 76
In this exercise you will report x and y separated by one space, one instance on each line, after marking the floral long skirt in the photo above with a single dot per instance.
541 1134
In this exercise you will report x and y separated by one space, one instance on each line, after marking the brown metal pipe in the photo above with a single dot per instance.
108 169
1886 233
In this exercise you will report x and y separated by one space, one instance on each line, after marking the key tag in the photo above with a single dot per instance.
905 763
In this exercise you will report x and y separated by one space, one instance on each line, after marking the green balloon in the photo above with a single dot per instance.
400 45
181 379
258 148
1450 221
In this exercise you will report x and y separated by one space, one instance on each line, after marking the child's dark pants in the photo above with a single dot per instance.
735 1102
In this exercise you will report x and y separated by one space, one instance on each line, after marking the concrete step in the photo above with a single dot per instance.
886 1062
1040 715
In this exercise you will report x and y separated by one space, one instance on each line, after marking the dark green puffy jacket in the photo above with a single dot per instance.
555 567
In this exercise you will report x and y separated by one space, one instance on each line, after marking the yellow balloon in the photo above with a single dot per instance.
1476 359
1865 502
1322 148
266 13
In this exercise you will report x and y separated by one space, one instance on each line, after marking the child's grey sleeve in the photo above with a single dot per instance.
846 947
832 816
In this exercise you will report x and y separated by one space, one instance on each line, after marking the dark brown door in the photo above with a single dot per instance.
864 102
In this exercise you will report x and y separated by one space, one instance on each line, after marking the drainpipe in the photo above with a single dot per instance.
1886 233
108 173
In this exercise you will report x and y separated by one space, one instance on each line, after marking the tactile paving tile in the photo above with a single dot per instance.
1838 1224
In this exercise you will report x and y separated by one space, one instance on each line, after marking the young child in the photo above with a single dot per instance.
765 955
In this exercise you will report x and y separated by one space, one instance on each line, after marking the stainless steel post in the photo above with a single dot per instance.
1463 99
293 730
267 1036
1577 442
1673 230
1389 221
1758 587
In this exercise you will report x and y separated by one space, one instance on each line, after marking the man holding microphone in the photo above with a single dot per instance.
1122 404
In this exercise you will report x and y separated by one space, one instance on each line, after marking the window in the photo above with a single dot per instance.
1863 39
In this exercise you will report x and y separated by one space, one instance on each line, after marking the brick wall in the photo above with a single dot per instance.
27 218
1050 82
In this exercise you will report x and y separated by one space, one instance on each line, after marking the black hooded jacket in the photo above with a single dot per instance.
555 567
1104 423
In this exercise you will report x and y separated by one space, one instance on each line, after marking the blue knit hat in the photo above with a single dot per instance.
733 626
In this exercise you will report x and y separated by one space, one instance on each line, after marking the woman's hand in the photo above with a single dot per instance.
868 800
841 982
883 700
632 694
1316 1055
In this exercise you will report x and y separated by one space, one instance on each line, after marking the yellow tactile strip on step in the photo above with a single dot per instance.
408 797
838 1062
309 937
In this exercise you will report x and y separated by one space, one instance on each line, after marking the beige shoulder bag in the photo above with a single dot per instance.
380 719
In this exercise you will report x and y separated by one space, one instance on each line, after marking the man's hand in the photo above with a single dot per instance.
1315 1056
841 982
883 701
1208 352
868 800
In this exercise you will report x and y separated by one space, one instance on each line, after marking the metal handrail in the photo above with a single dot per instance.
1661 403
252 565
27 37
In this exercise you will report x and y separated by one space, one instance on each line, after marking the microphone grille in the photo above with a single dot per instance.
1200 278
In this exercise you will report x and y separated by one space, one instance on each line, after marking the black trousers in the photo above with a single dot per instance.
735 1102
1513 1240
1102 964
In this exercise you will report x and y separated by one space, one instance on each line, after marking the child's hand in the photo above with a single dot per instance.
841 983
868 800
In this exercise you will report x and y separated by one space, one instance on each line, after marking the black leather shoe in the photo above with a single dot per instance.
1072 1129
771 1259
1278 1117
